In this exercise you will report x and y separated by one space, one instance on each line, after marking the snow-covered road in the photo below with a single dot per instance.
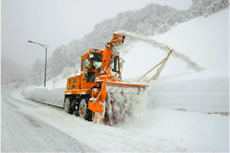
23 132
30 126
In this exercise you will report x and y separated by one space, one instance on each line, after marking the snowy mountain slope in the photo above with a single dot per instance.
205 40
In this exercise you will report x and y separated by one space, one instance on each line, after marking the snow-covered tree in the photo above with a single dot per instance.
207 7
57 62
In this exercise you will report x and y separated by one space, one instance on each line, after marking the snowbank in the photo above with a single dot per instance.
199 95
44 95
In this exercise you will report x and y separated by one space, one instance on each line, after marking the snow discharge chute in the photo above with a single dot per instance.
190 63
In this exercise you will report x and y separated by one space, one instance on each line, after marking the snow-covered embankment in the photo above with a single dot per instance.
44 95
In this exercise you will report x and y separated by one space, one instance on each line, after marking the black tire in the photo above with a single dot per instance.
83 110
75 106
67 106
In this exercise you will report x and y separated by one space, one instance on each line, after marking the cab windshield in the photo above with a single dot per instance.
97 59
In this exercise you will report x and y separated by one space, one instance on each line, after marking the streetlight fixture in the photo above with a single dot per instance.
46 48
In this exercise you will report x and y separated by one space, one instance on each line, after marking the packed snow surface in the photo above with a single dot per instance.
22 131
147 130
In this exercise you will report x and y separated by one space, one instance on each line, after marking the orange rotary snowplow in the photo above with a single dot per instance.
98 93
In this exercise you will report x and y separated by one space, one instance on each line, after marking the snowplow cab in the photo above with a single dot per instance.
91 63
91 69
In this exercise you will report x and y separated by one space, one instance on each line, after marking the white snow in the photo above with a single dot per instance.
177 112
147 130
204 40
49 96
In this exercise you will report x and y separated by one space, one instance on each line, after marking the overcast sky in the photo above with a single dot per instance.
58 22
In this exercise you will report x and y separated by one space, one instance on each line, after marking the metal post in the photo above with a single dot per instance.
45 68
46 49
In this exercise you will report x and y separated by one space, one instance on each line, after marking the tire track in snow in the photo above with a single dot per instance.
23 132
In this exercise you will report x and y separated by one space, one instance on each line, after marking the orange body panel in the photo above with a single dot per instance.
125 84
77 91
73 83
96 107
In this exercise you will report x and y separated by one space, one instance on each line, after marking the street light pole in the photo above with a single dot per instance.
45 67
46 49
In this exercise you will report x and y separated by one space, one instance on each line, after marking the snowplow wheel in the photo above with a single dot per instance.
83 110
67 106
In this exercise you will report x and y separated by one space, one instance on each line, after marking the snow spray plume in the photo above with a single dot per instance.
190 64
